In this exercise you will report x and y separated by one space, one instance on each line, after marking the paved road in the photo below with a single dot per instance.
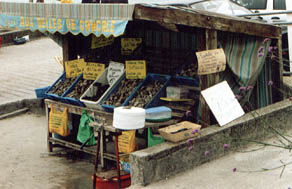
26 67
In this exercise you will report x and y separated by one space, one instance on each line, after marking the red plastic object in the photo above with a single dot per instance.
0 42
113 183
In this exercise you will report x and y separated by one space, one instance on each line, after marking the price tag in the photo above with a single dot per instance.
128 45
92 70
115 70
74 68
135 69
211 61
101 41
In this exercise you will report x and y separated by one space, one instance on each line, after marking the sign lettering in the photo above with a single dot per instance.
136 69
74 68
211 61
92 70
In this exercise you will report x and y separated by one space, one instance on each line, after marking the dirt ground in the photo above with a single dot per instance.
25 162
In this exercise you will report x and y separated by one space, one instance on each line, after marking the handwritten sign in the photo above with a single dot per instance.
135 69
211 61
129 45
92 70
222 103
115 70
74 68
101 41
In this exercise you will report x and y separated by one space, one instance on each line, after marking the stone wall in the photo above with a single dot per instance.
167 159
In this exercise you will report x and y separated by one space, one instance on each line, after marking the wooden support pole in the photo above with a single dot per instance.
277 75
207 41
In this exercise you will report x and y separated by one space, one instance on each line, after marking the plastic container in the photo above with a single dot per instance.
113 183
110 108
158 114
57 97
70 100
41 92
156 98
190 83
102 79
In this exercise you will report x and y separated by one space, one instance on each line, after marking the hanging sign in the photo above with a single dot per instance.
211 61
129 45
222 103
115 70
74 68
92 70
101 41
135 69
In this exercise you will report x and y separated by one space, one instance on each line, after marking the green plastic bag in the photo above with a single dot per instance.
85 133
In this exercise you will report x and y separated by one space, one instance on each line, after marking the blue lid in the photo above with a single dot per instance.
159 109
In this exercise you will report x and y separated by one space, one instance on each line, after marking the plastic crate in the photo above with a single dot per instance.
55 96
156 99
185 81
70 100
89 92
41 92
110 108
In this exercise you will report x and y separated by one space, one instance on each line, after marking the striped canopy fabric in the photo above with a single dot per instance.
247 66
70 11
97 19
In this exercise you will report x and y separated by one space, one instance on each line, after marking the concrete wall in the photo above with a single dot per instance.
167 159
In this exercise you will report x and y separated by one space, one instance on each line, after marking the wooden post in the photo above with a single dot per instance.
207 41
277 76
69 52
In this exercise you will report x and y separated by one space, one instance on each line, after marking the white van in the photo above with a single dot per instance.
264 6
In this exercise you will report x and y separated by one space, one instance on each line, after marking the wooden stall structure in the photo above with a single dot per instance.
170 38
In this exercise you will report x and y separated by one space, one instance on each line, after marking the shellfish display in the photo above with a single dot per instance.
146 93
123 92
100 89
61 87
81 86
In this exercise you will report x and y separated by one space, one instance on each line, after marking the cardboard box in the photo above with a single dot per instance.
180 131
176 92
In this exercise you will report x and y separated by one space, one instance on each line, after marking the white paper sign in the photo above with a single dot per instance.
115 70
223 103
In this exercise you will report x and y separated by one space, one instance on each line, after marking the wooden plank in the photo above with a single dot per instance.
208 41
277 75
104 117
204 19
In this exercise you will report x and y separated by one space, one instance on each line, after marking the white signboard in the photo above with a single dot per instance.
115 70
223 103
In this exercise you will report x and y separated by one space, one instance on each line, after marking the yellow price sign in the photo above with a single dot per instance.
66 1
101 41
135 69
74 68
128 45
92 70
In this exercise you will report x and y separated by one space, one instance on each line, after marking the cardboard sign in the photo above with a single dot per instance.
92 70
211 61
115 70
222 103
135 69
101 41
128 45
74 68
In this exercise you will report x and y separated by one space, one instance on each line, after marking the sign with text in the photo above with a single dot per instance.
101 41
211 61
74 68
115 70
129 45
92 70
135 69
222 103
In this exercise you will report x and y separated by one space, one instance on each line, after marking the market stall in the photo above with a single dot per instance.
152 58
